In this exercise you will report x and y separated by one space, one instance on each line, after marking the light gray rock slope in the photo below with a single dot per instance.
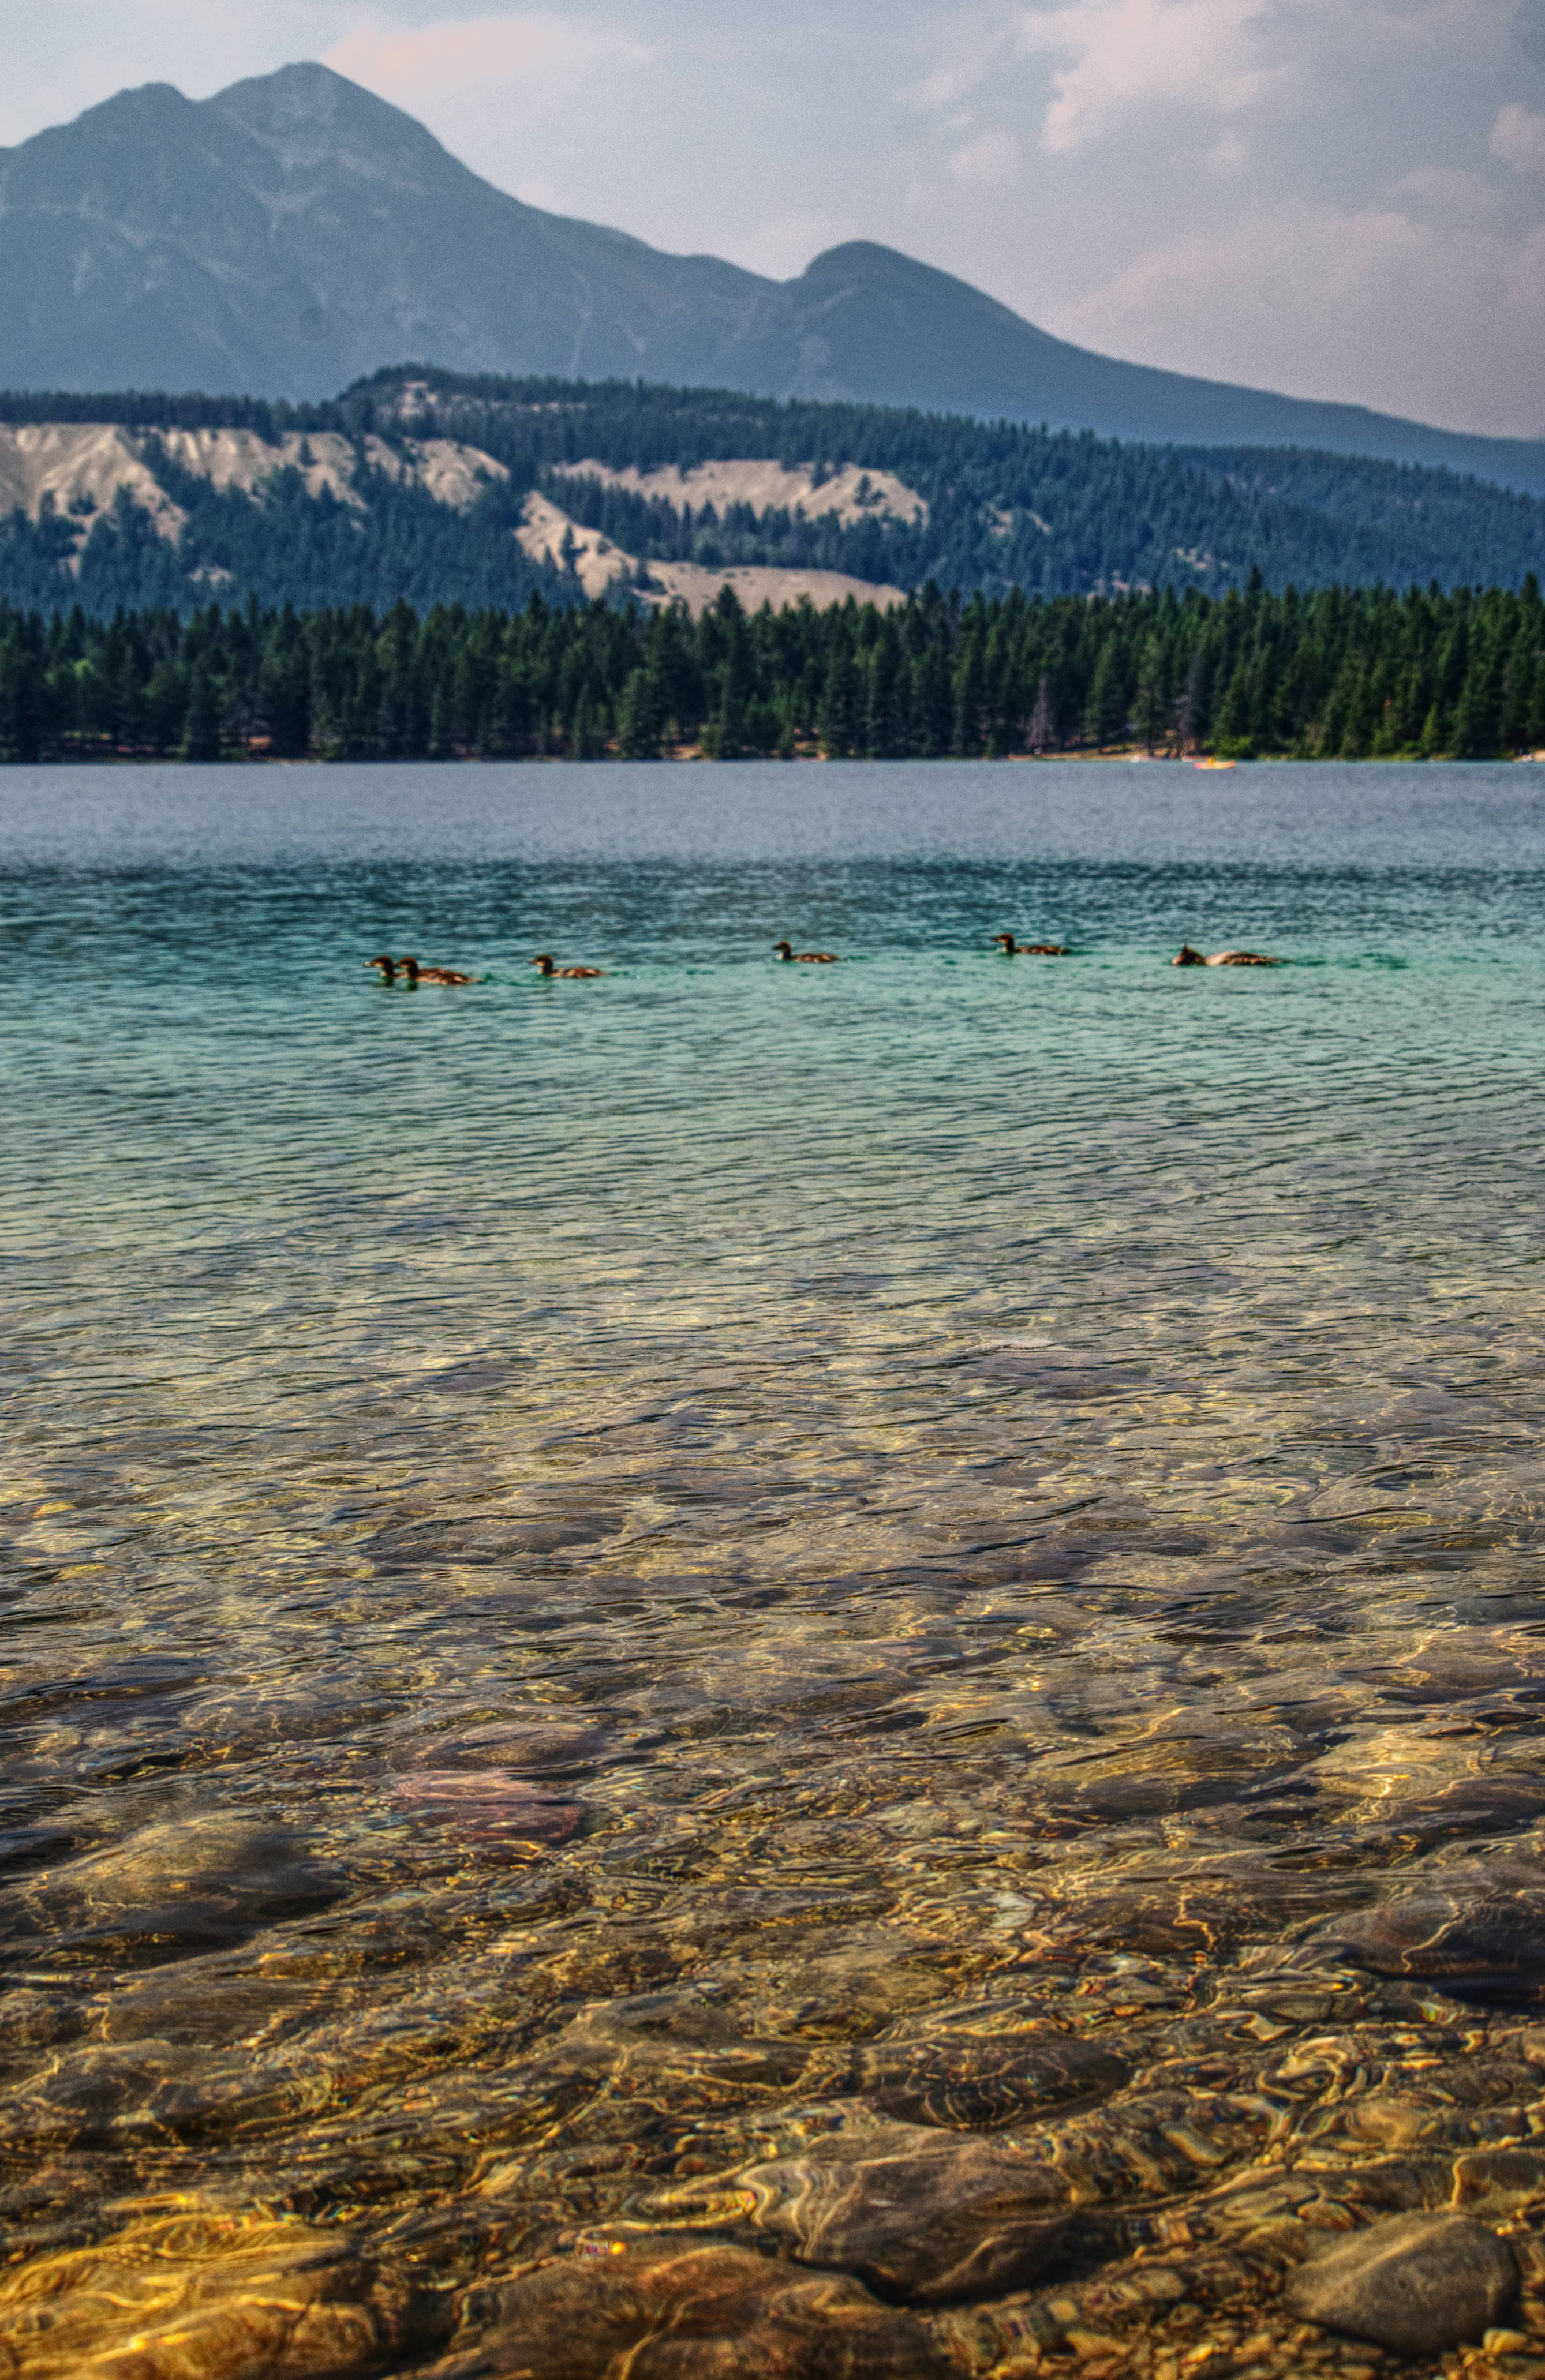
294 232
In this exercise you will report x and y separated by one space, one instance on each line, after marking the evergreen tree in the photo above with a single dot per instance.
21 691
1151 707
1191 713
839 725
201 739
970 682
638 726
1039 734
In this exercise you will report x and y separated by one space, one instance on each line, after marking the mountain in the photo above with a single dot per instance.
294 233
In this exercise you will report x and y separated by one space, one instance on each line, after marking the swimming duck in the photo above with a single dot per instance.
417 975
787 952
388 967
545 966
1188 957
1012 950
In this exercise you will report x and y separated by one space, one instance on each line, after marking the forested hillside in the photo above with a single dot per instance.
1329 675
998 505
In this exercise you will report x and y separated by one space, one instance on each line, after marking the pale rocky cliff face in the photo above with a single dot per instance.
547 534
852 495
77 470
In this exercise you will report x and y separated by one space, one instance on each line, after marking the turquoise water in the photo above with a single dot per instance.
867 1474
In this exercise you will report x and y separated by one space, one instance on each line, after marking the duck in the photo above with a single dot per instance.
1188 957
1012 950
417 975
787 952
545 966
388 967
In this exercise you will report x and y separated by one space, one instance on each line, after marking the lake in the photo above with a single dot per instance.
745 1664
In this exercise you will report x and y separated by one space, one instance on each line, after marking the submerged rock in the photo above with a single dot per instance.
668 2309
1419 2284
934 2218
480 1544
971 2083
527 1747
487 1805
1462 1925
211 2297
186 1884
916 2214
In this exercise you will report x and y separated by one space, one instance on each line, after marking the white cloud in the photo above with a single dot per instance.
1518 138
1368 305
1451 194
1127 53
410 67
947 84
989 162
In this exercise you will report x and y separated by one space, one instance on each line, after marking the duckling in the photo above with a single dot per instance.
574 974
1012 950
787 952
1188 957
417 975
388 967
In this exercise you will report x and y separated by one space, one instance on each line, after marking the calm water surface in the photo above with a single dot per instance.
917 1579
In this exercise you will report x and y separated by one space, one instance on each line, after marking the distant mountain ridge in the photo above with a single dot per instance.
294 233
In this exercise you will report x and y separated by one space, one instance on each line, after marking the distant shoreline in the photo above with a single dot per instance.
1117 756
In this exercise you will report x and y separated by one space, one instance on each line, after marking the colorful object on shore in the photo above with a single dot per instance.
787 952
1012 950
1211 763
545 967
1188 957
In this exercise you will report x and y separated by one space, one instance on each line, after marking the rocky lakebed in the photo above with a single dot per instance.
1116 2024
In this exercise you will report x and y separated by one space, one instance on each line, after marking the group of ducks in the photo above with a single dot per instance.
1012 950
414 975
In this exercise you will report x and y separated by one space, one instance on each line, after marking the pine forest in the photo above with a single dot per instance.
1334 673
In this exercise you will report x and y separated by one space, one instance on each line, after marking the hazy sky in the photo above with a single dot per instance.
1337 198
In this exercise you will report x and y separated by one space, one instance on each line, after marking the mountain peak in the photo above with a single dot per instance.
305 92
857 255
142 104
312 116
296 233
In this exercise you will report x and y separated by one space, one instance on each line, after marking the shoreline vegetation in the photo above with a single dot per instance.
1338 673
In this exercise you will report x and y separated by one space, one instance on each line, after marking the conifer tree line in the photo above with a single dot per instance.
1338 673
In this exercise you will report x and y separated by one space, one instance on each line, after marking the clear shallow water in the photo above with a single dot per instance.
608 1580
